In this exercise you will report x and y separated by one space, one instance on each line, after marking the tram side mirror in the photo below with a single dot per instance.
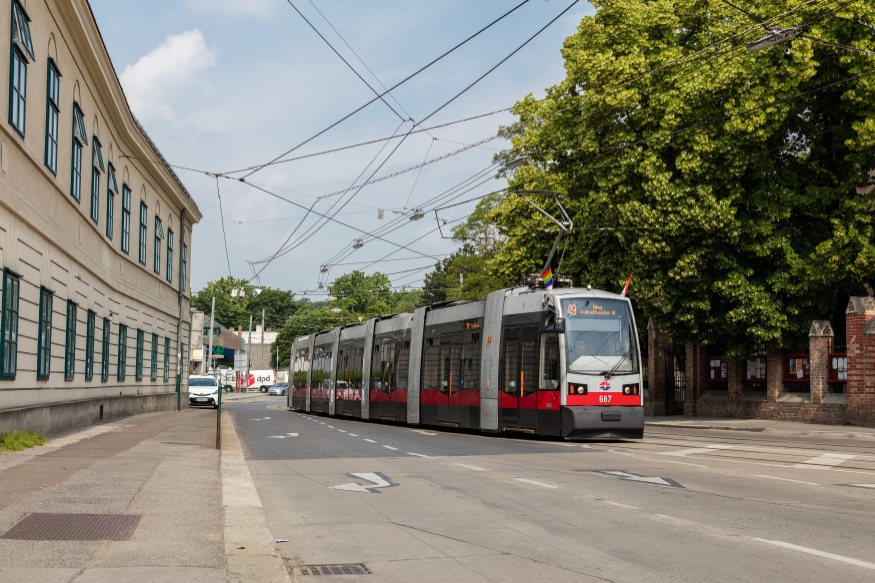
559 326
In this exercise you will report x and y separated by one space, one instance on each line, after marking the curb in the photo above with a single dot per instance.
249 549
773 431
720 427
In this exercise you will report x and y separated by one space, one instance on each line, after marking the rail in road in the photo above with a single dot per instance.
406 502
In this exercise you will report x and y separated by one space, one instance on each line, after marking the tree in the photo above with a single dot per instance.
277 304
306 320
230 311
365 295
733 184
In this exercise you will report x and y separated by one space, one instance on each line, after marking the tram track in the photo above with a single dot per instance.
813 446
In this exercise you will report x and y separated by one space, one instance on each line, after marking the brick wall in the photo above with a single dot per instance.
860 388
819 337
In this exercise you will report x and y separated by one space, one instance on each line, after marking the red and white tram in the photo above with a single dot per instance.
562 362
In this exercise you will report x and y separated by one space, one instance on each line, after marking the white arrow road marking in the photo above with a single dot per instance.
418 454
422 432
872 486
786 480
542 484
390 447
825 462
817 553
377 481
292 434
475 468
636 478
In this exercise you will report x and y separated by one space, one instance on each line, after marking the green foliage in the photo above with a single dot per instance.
306 320
365 295
231 312
734 185
20 440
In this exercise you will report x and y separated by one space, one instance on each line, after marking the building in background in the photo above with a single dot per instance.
260 352
226 344
95 234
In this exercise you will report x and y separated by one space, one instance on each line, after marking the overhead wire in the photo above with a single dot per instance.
224 235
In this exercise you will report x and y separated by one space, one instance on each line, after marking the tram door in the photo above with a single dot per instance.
519 382
451 361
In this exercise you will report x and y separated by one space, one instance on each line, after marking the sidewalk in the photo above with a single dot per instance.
764 426
162 474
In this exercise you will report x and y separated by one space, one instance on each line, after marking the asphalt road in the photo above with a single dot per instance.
417 503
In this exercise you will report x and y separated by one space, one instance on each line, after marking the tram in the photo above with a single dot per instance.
563 362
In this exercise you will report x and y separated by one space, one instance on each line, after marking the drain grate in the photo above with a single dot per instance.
39 526
359 569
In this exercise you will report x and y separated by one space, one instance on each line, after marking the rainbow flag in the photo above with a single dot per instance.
547 278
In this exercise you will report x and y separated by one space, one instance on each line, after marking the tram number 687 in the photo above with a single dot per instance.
604 398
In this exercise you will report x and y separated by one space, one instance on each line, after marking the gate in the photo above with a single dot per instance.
675 378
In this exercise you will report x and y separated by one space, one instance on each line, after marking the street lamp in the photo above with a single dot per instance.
775 36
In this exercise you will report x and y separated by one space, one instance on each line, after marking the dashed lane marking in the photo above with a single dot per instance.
869 486
352 434
390 447
422 432
276 437
370 441
533 482
825 461
292 434
418 454
341 430
331 426
612 503
475 468
685 464
817 553
786 480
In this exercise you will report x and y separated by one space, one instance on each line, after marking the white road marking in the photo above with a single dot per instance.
331 426
341 430
786 480
872 486
620 452
370 441
321 423
352 434
292 434
646 479
692 450
276 437
266 417
418 454
622 505
259 419
390 447
542 484
685 464
475 468
826 461
422 431
817 553
376 480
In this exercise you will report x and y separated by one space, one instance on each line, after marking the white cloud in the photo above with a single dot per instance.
260 8
157 80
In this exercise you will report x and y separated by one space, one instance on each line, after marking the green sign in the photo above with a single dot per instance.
218 350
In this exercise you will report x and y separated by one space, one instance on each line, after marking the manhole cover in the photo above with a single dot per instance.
359 569
39 526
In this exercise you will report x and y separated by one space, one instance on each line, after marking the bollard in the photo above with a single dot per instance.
178 392
219 421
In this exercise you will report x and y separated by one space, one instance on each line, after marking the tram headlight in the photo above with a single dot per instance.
577 389
630 389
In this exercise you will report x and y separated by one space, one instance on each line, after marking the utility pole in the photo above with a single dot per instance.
219 392
248 355
262 340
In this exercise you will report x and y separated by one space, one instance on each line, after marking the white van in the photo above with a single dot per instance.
260 380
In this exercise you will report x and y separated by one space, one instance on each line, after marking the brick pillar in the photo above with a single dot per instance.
697 377
774 373
734 376
819 337
657 340
859 388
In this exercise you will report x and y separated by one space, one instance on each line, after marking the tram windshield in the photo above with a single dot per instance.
599 336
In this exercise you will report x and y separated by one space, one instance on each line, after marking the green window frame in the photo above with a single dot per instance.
154 361
9 324
70 341
104 351
96 170
111 192
144 216
21 55
122 368
166 358
90 324
159 234
126 219
80 140
184 277
138 368
53 115
44 334
169 255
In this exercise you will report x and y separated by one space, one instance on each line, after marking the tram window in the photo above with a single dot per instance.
530 363
403 365
599 336
431 367
471 367
549 362
510 371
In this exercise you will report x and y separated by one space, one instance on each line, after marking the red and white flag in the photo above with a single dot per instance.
628 283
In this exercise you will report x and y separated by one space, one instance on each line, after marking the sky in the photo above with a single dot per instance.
221 85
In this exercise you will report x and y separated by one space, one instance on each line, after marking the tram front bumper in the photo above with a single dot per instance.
603 422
